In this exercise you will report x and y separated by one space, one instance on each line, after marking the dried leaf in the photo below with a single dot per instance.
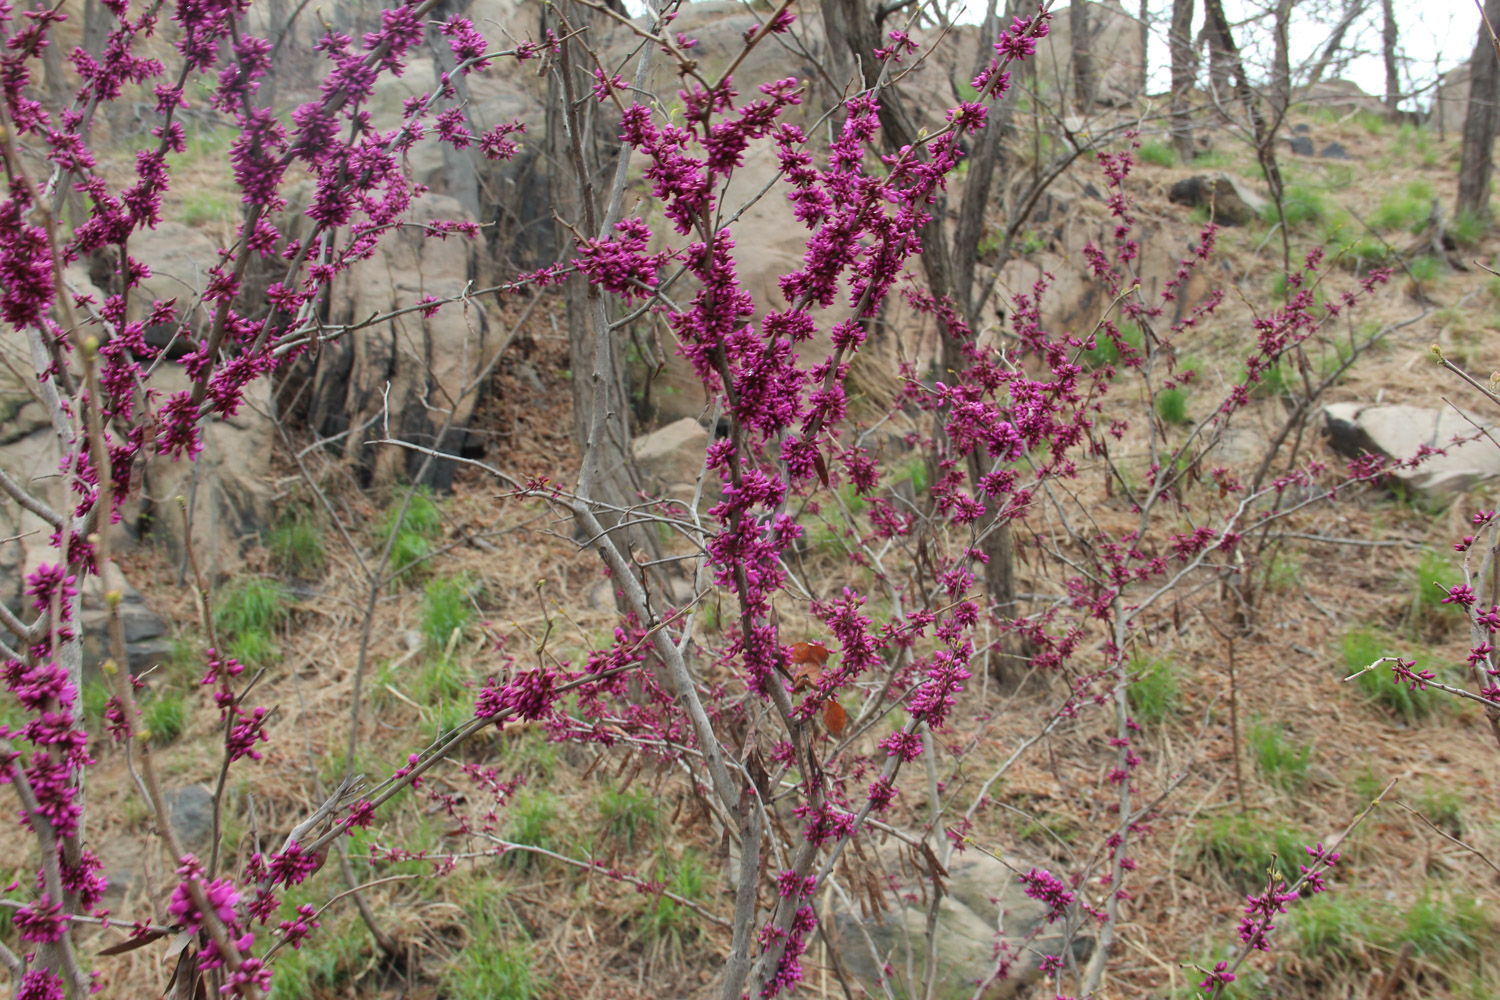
822 468
808 659
180 942
809 652
123 947
805 675
834 717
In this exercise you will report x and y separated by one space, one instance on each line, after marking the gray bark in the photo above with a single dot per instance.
1083 55
1184 77
1477 161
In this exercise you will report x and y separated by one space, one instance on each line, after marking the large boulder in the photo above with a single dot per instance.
1233 202
226 492
148 639
1398 431
672 456
985 921
1342 97
1450 102
406 373
1114 44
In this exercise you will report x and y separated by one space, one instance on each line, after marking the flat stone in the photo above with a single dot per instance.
1399 431
1302 145
1335 151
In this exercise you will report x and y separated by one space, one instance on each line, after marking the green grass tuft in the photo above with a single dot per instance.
296 545
416 533
629 818
1280 761
1426 268
165 716
492 968
1364 646
1105 351
1468 229
1405 210
1171 406
333 958
1154 694
1241 848
668 924
247 614
533 820
445 608
1302 206
1157 153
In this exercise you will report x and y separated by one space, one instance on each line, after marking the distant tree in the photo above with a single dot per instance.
1480 121
1184 76
1083 56
1352 11
1388 38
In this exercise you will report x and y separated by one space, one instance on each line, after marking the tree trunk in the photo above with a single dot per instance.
1281 60
1144 25
1352 10
1480 122
601 411
1083 55
1184 76
1265 133
1388 49
1218 66
948 264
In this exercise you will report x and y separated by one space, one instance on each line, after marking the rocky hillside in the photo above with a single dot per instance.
617 881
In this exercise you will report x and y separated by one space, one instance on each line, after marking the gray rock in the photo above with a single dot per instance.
1400 431
673 454
192 811
1232 202
984 909
1302 145
1335 151
1301 128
